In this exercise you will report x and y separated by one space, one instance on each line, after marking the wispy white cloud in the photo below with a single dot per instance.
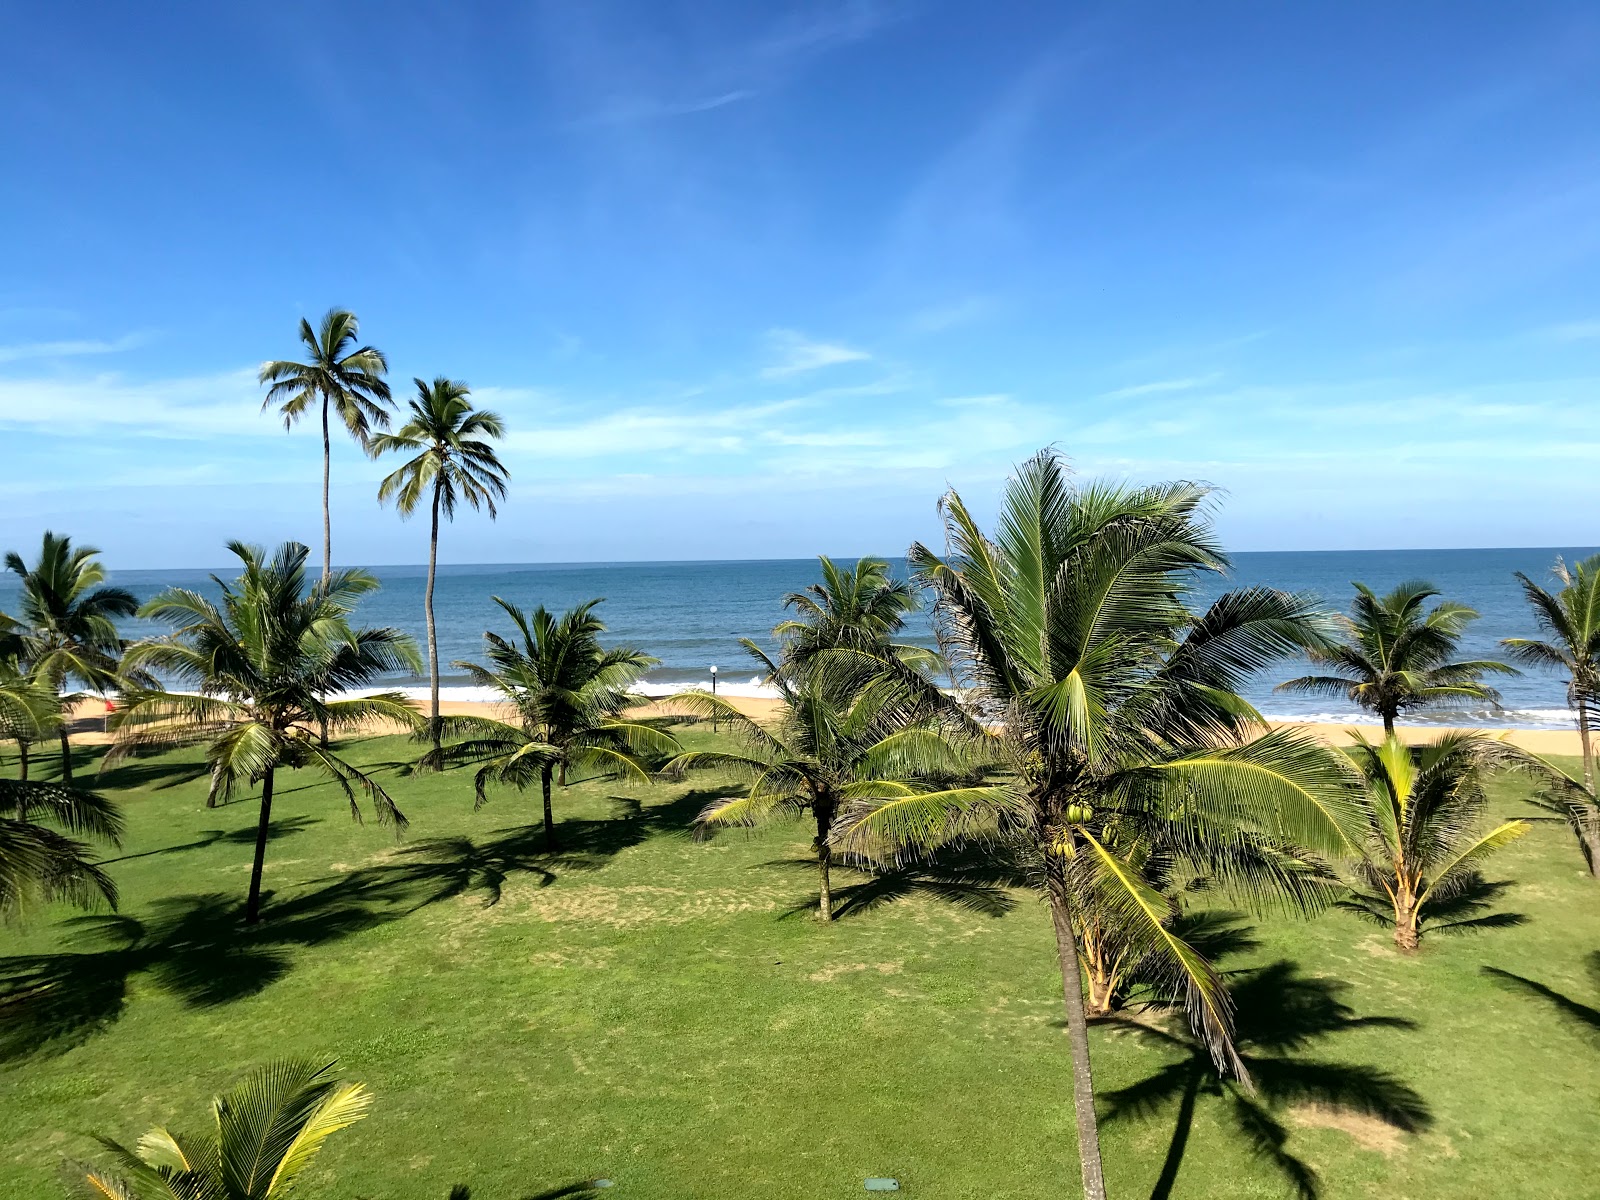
1572 331
941 317
208 406
796 353
624 110
1157 386
78 348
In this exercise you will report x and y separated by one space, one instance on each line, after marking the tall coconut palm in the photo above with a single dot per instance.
1424 809
1119 713
1570 620
567 696
42 858
66 620
1398 655
340 377
450 462
262 662
266 1131
836 741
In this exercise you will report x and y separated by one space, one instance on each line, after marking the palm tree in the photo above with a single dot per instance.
67 623
341 376
262 662
568 695
1423 808
29 711
1397 655
837 741
41 856
858 608
450 462
1279 1014
268 1129
1119 713
1570 619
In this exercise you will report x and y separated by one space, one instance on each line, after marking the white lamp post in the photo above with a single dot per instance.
713 696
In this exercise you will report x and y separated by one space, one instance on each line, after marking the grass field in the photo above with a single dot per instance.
666 1014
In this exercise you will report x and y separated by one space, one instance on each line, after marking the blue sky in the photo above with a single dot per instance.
760 280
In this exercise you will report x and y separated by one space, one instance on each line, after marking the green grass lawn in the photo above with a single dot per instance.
667 1014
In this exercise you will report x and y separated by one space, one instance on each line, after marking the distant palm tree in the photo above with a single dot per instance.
267 1130
1424 809
262 663
833 744
67 630
858 608
1280 1013
41 858
1570 619
29 711
568 696
1118 713
1398 655
338 375
450 462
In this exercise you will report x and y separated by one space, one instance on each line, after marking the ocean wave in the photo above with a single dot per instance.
1486 718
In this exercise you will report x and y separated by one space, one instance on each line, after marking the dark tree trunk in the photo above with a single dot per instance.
252 908
427 604
1094 1182
22 759
1388 723
825 863
66 757
327 519
1180 1140
549 812
1588 749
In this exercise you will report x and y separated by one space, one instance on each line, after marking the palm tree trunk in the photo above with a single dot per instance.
1094 1181
66 757
327 520
1588 750
1180 1139
252 908
1405 922
549 813
427 604
22 759
1388 723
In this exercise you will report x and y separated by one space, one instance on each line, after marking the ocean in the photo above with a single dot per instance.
691 615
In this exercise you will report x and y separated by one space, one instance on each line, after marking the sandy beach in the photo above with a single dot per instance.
89 720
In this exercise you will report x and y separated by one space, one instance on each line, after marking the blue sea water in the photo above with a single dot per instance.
691 615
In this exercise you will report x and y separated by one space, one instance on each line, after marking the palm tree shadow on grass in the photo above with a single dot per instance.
1584 1015
585 1187
243 836
978 885
196 947
1280 1014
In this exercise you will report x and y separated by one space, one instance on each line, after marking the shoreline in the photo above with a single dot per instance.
87 722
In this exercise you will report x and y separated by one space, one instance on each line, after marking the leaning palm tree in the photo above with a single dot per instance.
1118 714
450 461
1570 620
1397 655
567 696
339 376
267 1130
262 662
67 623
836 741
1425 837
42 858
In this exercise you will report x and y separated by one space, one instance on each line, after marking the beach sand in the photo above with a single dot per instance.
88 720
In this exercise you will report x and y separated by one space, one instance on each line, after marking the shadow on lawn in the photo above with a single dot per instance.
243 836
196 947
1583 1014
977 884
584 1187
1280 1015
